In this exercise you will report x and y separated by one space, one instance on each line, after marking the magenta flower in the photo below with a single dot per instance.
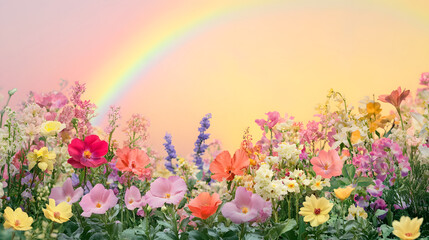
66 193
273 119
133 198
246 207
162 190
88 153
98 201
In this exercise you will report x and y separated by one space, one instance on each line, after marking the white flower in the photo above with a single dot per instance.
288 152
291 185
272 160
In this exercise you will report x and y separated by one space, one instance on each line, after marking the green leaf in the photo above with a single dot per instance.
266 129
277 230
386 230
380 212
364 181
198 235
200 175
182 203
349 171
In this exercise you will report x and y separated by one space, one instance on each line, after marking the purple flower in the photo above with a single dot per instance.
361 201
75 180
246 207
169 148
66 193
162 190
377 189
200 146
379 204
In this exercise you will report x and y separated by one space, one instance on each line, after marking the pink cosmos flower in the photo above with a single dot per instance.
246 207
66 193
162 190
133 198
88 153
98 201
327 164
395 98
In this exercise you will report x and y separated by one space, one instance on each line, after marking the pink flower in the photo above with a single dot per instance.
246 207
66 193
133 198
327 164
424 79
273 119
88 153
162 190
395 98
98 201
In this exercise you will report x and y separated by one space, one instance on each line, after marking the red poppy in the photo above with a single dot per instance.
132 160
225 167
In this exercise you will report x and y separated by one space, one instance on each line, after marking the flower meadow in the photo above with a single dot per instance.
353 173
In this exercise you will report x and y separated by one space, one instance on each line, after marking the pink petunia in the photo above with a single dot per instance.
246 207
88 153
162 190
133 198
66 193
327 164
98 201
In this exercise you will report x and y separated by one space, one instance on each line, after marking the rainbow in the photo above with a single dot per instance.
122 72
117 82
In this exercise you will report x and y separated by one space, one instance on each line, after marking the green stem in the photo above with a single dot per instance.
13 235
289 215
400 116
276 216
243 231
3 111
296 207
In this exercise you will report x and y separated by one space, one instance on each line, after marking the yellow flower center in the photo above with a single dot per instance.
326 167
17 223
167 195
244 210
291 185
408 234
68 199
131 201
317 211
57 215
87 154
98 205
317 184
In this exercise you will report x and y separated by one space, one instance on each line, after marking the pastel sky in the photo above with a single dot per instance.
175 61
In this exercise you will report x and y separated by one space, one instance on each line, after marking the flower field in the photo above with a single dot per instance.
353 173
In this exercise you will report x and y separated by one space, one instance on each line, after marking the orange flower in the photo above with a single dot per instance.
204 205
132 160
395 98
225 167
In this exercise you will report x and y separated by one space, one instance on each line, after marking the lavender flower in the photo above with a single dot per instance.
169 148
200 146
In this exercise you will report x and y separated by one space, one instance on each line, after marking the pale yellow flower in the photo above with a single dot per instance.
58 213
51 128
316 210
17 219
407 228
43 158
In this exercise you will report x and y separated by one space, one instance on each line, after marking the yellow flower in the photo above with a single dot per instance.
316 210
43 158
60 213
407 228
17 219
51 128
355 137
373 108
343 193
356 211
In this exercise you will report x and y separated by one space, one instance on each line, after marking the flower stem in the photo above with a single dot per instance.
243 231
400 116
289 207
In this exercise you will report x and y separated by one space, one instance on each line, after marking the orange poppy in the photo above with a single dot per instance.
204 205
225 167
131 160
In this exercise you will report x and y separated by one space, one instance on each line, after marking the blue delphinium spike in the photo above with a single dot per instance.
169 148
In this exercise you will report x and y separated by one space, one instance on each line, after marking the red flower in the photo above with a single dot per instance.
395 98
204 205
225 167
88 153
